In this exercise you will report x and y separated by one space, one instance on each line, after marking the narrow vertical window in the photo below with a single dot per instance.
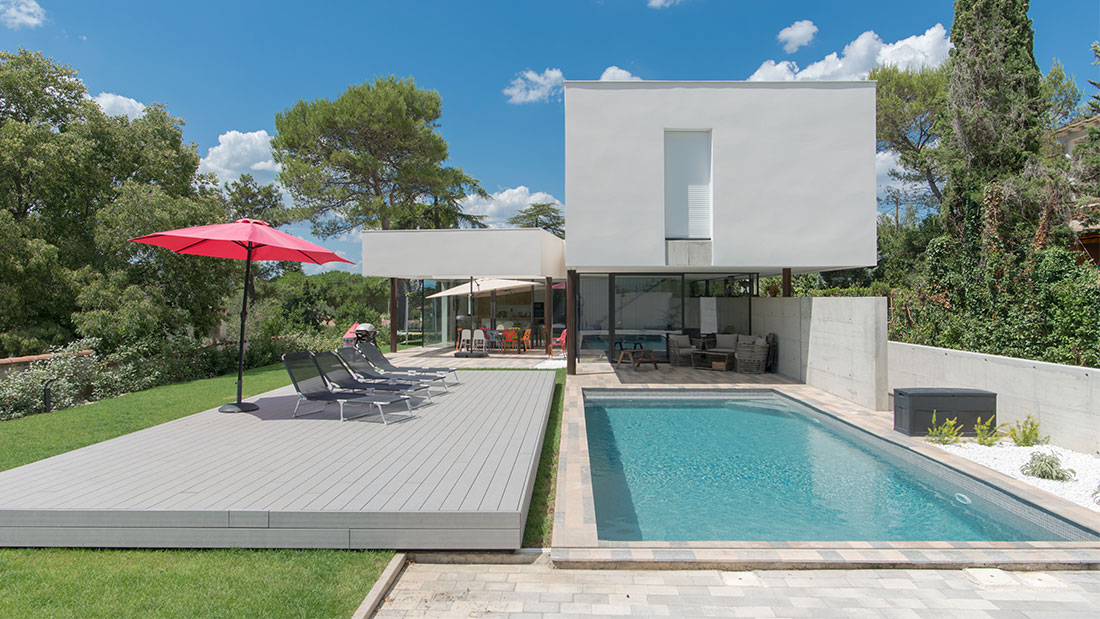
687 185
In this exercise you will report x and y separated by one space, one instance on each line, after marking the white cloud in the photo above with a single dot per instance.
615 74
16 14
117 105
861 55
885 161
241 153
660 4
505 203
796 35
529 86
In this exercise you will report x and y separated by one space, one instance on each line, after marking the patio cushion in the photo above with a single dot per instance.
681 341
761 341
725 341
746 339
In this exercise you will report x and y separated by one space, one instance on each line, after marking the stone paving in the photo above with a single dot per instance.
539 590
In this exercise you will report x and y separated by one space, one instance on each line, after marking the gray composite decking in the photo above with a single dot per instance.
456 474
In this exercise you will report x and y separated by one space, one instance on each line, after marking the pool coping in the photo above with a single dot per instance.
576 543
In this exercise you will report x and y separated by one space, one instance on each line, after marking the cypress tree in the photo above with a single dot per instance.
996 108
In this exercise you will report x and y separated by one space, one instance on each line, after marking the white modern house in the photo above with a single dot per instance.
678 197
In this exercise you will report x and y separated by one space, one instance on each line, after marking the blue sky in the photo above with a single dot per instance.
227 68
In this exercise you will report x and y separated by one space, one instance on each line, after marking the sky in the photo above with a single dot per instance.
227 68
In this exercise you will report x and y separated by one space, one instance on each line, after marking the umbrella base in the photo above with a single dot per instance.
239 407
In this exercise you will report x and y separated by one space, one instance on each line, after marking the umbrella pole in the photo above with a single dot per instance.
239 406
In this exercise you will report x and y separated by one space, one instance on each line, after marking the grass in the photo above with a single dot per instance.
63 582
414 342
185 583
35 437
540 518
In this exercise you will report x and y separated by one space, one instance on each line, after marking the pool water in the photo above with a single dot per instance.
759 468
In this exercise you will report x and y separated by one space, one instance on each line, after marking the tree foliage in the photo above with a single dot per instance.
545 215
370 158
75 185
909 115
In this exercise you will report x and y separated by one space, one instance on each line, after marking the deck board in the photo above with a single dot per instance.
443 477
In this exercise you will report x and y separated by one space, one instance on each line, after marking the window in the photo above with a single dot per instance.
687 185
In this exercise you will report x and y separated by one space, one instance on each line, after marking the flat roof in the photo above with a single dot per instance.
501 253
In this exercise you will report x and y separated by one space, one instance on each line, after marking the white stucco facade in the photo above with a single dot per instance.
792 174
509 253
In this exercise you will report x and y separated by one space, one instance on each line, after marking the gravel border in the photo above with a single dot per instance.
1007 458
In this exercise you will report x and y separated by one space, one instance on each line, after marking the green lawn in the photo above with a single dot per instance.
540 519
187 583
35 437
167 583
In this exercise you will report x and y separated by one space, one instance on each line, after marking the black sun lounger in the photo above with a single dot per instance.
361 366
340 377
378 360
310 384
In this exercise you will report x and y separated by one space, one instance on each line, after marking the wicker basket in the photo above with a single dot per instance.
751 359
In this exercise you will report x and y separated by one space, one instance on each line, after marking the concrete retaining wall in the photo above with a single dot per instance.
835 344
1064 398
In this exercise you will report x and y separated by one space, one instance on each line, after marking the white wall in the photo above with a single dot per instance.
793 172
1064 399
835 344
510 253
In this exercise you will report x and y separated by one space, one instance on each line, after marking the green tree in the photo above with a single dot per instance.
909 115
996 109
545 215
362 159
438 203
247 199
75 185
1062 96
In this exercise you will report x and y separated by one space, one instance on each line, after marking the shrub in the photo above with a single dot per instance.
1026 433
74 378
986 433
946 433
1047 466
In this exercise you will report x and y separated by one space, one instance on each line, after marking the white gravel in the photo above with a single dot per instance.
1006 457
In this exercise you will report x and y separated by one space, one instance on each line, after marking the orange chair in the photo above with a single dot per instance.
558 342
525 341
458 338
509 341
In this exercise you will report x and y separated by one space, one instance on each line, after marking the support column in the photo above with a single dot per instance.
393 314
787 289
611 317
548 313
493 310
571 282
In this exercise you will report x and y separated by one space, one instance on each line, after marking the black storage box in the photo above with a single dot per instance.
913 408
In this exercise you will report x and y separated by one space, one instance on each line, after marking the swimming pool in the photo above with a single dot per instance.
763 467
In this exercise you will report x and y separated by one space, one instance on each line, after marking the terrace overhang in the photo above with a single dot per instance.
504 253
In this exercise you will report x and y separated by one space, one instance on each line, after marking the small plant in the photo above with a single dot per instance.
1047 466
946 433
986 433
1026 433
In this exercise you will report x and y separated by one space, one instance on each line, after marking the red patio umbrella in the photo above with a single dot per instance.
248 240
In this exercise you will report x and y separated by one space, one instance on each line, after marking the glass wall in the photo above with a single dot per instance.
592 312
438 315
719 304
646 309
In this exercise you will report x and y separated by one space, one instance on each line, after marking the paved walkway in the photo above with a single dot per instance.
539 590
